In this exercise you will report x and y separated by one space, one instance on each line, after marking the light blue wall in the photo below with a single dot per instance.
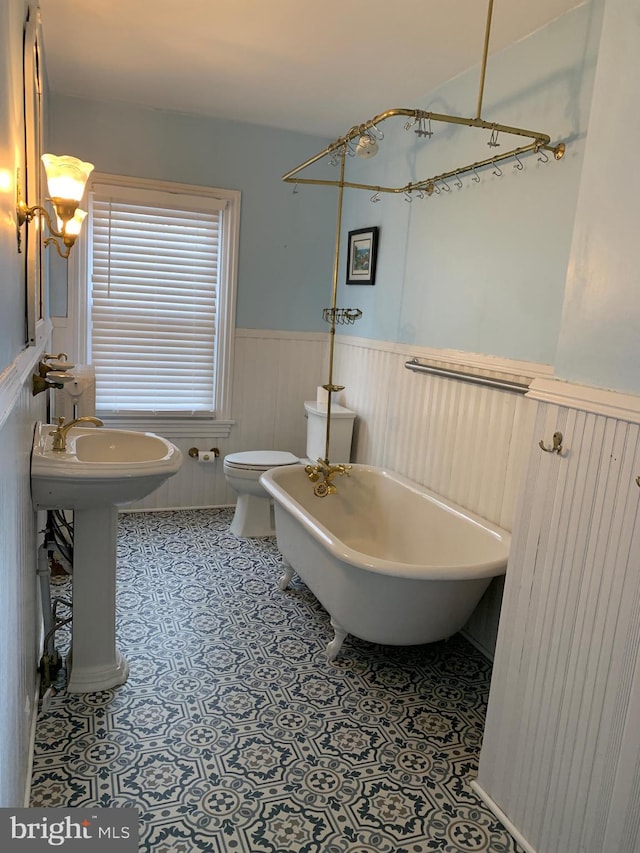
600 337
286 239
481 268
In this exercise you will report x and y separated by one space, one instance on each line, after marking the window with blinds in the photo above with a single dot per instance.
157 274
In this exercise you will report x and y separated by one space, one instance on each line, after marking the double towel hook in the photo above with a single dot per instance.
557 444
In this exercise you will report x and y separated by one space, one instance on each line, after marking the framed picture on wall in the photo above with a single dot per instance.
362 250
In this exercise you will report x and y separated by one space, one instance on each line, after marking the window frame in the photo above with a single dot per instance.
218 425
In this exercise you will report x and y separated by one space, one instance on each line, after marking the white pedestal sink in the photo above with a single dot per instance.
99 470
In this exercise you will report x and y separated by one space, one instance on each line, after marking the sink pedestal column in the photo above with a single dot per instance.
94 663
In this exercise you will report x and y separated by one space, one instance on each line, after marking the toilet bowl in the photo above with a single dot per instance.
254 509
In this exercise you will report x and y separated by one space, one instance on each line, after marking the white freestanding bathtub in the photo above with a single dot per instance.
391 562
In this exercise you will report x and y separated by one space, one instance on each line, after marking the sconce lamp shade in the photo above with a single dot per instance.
66 176
73 226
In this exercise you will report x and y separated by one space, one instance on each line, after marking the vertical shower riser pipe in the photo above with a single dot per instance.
334 300
485 54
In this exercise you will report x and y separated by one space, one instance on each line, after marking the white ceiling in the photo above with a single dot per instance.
314 67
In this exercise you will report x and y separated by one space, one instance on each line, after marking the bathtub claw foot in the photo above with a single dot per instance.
335 645
283 583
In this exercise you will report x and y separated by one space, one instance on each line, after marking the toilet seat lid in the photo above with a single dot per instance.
260 460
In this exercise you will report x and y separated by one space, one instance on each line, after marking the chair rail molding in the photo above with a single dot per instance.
16 374
599 401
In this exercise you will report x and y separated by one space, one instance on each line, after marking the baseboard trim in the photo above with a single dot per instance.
484 651
125 510
504 820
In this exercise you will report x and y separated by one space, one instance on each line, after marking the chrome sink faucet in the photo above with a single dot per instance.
60 433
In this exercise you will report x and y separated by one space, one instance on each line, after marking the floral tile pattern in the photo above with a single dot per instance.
234 733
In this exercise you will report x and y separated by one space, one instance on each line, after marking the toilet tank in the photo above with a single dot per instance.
341 431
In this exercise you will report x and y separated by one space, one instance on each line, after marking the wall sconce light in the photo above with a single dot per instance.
66 178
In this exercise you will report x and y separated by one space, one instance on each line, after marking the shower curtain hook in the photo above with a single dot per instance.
375 198
497 171
379 132
493 139
422 128
458 182
544 158
445 185
476 176
407 196
295 189
519 165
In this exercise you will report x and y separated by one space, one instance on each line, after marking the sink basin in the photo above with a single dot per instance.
100 467
120 446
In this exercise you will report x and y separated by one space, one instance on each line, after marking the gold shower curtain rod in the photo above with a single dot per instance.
541 141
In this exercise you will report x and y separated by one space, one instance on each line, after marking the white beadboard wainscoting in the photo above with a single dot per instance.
465 442
561 754
20 632
274 373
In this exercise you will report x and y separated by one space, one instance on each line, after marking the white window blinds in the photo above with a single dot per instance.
155 279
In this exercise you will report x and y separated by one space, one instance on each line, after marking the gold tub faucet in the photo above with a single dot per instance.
327 471
60 433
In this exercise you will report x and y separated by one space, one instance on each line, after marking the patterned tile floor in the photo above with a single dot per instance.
234 733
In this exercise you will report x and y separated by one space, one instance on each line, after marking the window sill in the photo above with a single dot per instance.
171 427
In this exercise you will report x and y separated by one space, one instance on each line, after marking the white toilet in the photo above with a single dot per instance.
254 509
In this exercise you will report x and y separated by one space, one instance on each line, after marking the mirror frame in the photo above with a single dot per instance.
32 181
